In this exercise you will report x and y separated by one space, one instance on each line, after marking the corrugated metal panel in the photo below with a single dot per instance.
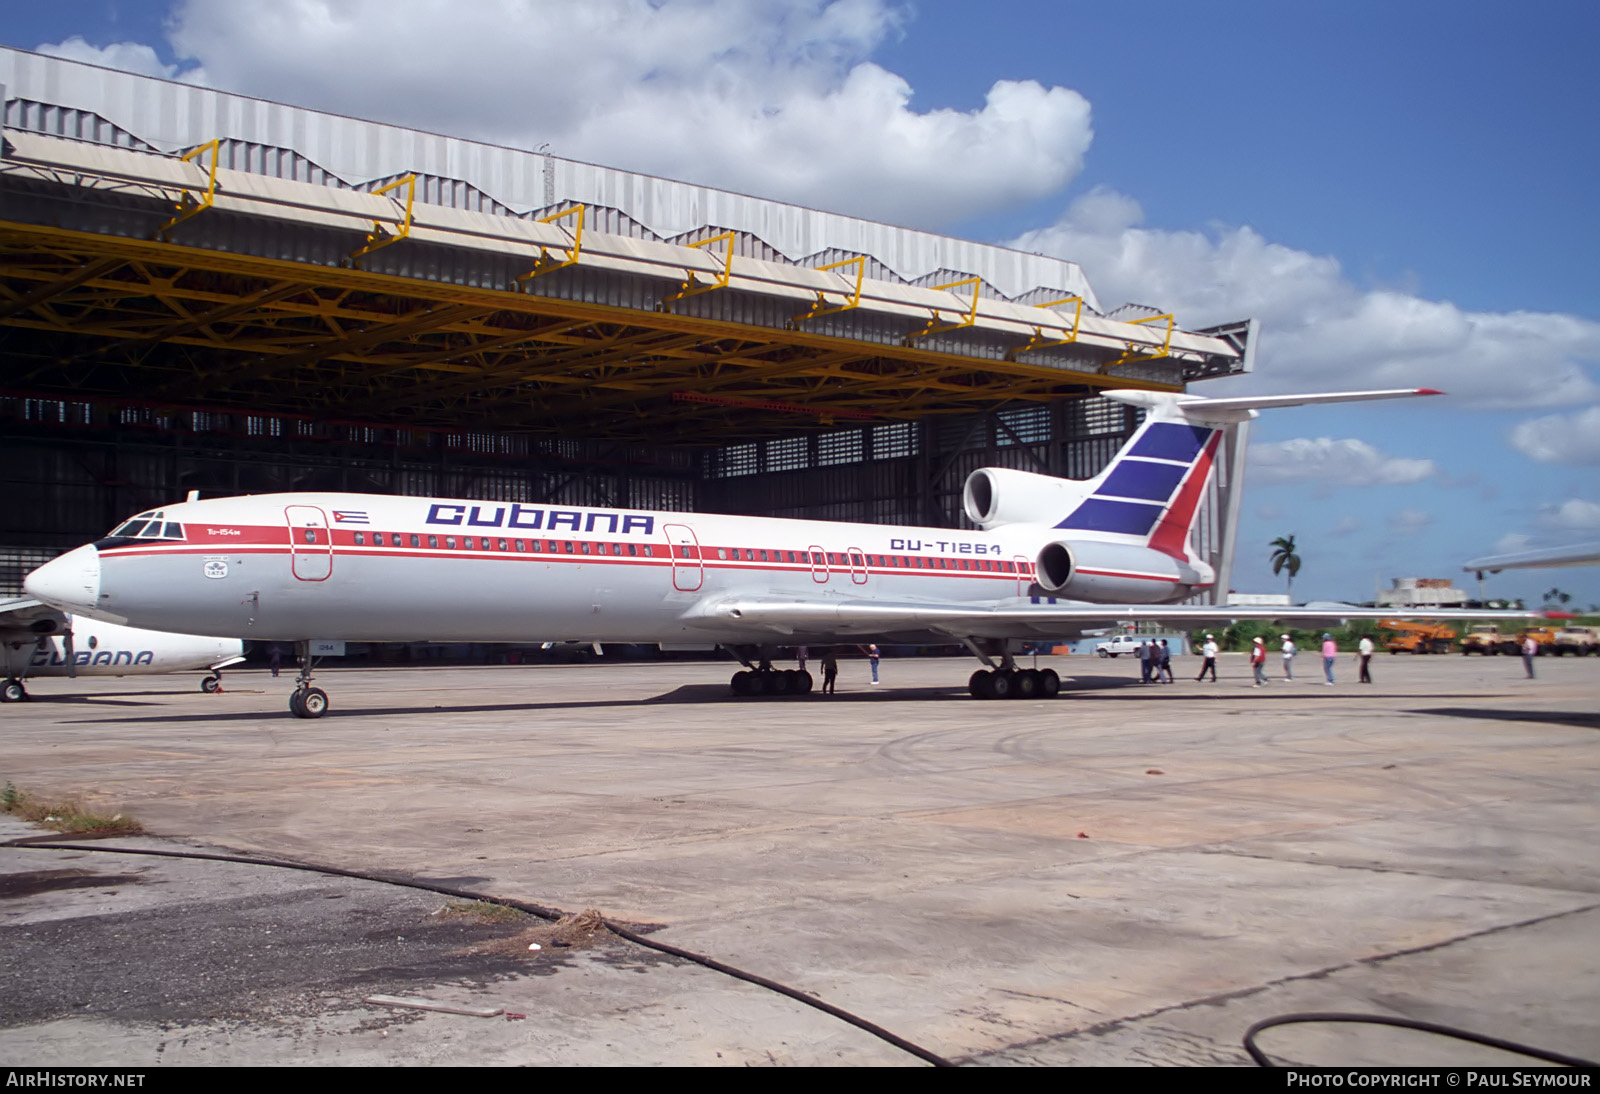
170 116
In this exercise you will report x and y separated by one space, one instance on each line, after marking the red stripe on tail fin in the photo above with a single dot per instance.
1171 534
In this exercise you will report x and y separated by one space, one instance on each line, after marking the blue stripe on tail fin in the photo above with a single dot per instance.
1129 497
1171 441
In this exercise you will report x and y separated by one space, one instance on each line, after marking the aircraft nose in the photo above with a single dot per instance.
71 582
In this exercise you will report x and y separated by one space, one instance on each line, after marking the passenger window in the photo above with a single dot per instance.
311 535
450 542
416 541
377 539
361 539
433 541
502 545
722 553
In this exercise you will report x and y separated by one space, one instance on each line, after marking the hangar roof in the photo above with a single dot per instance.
214 274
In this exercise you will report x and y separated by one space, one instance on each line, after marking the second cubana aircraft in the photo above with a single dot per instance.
1052 557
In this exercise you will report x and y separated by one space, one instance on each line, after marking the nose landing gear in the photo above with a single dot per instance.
306 701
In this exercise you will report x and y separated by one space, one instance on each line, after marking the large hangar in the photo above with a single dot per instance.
202 291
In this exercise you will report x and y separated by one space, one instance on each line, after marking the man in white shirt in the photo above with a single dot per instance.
1209 651
1289 651
1365 650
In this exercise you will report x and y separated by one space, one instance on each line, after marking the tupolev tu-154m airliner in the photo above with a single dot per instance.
1051 557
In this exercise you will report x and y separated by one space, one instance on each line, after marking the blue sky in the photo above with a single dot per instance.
1402 193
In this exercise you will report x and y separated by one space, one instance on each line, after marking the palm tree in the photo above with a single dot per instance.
1284 558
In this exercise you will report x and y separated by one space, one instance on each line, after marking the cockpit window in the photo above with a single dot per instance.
148 526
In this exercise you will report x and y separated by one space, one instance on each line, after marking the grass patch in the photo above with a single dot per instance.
480 911
67 816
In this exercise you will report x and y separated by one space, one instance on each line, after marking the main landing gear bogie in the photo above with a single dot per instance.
1014 684
774 682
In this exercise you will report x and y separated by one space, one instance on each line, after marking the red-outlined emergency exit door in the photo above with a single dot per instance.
310 544
688 573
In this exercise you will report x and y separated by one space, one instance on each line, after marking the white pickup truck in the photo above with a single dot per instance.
1581 641
1122 643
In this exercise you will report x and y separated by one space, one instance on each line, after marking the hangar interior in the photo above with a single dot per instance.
201 291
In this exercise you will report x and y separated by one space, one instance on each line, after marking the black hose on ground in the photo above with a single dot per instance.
54 843
1401 1023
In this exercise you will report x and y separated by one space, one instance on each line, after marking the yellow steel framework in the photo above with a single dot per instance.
100 316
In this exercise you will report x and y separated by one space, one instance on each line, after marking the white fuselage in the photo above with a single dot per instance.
375 568
107 649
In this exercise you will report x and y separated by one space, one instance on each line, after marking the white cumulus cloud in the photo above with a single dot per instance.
1319 328
127 56
1572 515
1332 462
772 97
1561 438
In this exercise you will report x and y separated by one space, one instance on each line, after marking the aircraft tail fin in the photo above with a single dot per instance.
1152 490
1150 494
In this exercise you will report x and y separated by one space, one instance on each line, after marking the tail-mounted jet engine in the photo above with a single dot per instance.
1112 572
1078 569
998 495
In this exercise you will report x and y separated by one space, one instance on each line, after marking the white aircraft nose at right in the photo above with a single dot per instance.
71 582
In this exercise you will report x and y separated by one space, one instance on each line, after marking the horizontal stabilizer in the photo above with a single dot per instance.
1242 408
1579 554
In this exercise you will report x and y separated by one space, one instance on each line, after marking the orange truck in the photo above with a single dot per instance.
1408 637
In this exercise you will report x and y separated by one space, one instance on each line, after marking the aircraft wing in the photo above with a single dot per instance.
1579 554
1022 619
22 618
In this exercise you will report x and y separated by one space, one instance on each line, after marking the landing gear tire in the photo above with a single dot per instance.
308 703
1001 685
13 692
1027 684
211 684
1049 683
978 684
744 683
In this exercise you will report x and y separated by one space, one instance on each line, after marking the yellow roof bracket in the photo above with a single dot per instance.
1039 341
821 306
692 286
549 264
1140 352
188 204
934 317
380 236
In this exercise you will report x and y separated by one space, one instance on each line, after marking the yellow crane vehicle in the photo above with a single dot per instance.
1405 636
